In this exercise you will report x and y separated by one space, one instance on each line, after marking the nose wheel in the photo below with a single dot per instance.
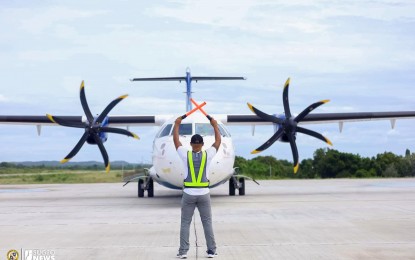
146 185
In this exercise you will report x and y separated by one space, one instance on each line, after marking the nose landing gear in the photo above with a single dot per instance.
146 185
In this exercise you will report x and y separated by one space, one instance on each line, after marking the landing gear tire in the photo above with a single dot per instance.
140 188
241 187
231 187
150 190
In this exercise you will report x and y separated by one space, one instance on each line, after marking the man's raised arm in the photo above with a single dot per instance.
217 142
176 140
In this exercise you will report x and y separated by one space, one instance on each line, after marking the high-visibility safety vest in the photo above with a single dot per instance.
199 181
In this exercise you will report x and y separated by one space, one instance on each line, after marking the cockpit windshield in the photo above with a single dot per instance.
185 129
207 129
165 131
204 129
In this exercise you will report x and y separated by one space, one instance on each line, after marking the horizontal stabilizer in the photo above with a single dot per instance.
159 79
184 78
218 78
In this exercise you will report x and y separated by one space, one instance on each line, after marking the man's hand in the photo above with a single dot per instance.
178 120
213 122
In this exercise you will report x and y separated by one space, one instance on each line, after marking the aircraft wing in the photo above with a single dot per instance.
320 118
141 120
112 120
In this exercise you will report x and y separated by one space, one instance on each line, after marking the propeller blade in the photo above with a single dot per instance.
294 151
84 103
76 149
309 109
119 131
109 108
103 152
268 143
285 99
263 115
314 134
62 122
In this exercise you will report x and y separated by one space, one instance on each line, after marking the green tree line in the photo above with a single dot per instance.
330 163
326 163
11 167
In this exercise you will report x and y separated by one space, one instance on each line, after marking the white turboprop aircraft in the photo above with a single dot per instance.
168 169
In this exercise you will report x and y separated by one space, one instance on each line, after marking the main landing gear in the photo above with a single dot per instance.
236 184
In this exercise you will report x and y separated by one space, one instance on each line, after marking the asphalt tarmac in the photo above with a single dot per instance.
287 219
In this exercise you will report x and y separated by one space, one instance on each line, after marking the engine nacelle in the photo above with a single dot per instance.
102 135
284 137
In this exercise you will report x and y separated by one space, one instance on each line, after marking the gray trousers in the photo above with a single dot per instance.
202 202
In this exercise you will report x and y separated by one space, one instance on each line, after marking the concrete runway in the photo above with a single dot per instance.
288 219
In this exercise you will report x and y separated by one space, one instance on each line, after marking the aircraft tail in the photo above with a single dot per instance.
188 79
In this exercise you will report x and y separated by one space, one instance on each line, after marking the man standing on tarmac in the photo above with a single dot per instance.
196 187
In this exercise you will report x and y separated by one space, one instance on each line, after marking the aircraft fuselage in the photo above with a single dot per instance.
169 170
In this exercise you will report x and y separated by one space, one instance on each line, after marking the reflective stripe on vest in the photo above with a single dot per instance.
196 183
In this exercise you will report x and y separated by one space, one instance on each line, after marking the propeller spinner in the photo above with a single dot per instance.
93 127
288 125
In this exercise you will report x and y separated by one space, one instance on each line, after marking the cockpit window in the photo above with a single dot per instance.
223 131
207 129
185 129
165 131
204 129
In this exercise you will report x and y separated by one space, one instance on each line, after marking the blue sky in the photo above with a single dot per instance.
358 54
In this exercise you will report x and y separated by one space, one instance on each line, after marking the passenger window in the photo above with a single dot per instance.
185 129
165 131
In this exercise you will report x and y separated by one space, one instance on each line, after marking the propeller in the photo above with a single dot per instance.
288 125
93 128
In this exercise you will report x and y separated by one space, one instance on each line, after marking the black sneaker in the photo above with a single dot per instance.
182 256
211 254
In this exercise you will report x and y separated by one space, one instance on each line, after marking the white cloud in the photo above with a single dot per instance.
45 55
380 10
252 16
296 31
37 20
3 99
